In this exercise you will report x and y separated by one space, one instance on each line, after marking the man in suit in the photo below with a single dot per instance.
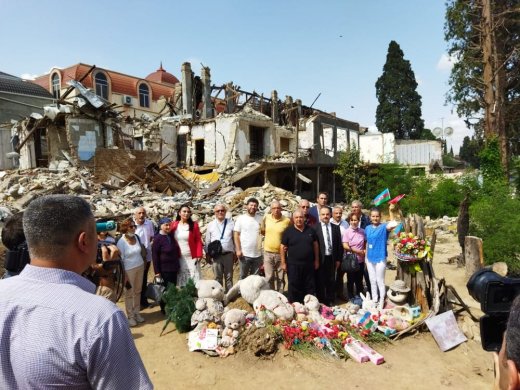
331 253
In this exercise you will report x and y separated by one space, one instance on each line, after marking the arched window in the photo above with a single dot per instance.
56 86
101 84
144 95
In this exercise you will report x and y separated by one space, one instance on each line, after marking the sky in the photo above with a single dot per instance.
300 48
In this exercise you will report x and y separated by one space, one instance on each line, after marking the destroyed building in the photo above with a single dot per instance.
239 137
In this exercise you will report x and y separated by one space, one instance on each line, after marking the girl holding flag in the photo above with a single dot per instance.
376 253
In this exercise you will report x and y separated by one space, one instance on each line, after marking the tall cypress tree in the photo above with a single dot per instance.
399 108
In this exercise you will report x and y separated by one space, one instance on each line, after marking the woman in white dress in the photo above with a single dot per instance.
187 234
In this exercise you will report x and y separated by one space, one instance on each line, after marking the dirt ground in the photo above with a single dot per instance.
413 362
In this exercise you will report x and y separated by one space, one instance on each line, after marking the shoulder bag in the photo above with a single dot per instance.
349 263
215 247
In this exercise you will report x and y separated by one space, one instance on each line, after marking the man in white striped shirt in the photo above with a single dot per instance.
54 332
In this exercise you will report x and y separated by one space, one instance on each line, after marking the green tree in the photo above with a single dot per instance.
353 174
427 135
399 108
484 38
469 151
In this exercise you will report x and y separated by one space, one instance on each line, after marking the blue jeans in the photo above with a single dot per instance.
249 266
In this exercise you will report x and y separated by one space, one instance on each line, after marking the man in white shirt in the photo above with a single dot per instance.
55 332
145 230
221 228
247 239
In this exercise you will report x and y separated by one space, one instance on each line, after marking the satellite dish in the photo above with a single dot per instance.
448 131
437 131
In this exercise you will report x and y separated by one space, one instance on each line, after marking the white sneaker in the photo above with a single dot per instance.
132 322
139 318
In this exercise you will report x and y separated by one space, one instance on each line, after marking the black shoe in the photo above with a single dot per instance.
145 305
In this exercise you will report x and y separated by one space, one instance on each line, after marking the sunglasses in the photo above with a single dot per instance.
132 226
220 211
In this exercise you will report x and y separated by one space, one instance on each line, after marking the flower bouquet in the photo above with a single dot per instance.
410 248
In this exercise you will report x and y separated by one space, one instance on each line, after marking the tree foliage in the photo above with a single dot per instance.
399 108
484 40
469 151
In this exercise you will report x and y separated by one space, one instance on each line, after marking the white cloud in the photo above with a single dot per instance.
446 62
28 76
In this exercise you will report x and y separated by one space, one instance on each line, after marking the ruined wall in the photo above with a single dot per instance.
122 162
57 141
168 133
84 137
206 132
377 147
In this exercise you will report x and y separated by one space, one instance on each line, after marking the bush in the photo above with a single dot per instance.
435 197
496 220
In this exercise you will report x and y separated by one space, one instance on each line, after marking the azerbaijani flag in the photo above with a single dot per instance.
397 198
382 197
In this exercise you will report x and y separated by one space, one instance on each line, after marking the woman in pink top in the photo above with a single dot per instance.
354 241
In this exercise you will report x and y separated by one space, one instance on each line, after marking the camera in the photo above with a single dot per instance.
495 294
17 259
105 226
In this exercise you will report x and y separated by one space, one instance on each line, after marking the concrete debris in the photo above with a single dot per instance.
162 190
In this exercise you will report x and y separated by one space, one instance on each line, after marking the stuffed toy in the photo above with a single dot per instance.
313 307
209 306
234 321
397 294
270 305
300 311
369 304
249 288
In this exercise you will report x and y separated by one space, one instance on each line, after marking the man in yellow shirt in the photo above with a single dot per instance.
273 226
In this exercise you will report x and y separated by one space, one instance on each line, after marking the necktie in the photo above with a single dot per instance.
329 243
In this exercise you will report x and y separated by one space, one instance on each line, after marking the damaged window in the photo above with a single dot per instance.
144 96
56 86
256 142
182 144
101 85
199 152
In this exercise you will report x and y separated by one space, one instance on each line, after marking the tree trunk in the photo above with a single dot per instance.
473 254
494 81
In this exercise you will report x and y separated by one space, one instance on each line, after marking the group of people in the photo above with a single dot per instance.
80 340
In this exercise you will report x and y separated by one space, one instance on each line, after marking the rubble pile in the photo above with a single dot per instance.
18 188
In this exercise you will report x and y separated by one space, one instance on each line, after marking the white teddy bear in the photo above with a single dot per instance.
234 320
209 306
313 306
249 288
271 305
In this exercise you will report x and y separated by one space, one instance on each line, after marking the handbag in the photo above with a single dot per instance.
155 290
349 263
215 247
144 252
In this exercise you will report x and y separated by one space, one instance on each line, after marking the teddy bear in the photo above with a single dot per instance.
300 311
270 305
313 307
249 288
209 305
234 321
